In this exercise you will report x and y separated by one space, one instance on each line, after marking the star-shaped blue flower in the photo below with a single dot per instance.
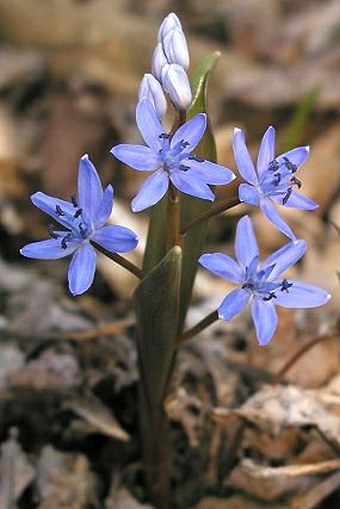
170 159
274 179
261 284
84 220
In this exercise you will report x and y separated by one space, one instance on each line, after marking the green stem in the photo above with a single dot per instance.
214 211
203 324
173 216
123 262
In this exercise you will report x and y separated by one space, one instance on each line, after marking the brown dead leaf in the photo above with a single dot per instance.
64 481
271 483
234 502
122 499
273 409
97 415
16 472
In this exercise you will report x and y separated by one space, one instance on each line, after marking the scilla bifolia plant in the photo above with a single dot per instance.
180 167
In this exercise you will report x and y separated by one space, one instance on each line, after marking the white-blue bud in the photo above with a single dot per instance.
176 83
158 61
151 89
170 22
175 48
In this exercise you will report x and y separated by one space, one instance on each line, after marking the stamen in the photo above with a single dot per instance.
287 196
277 179
296 181
249 286
184 144
59 210
196 158
184 167
273 165
285 285
64 241
78 213
74 201
289 165
82 230
270 296
164 135
52 233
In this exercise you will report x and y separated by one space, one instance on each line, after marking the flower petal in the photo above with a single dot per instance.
296 156
302 295
149 124
152 190
243 160
105 207
274 217
90 191
48 205
249 194
139 157
49 249
298 201
116 239
246 247
210 173
285 257
222 265
82 268
233 304
187 184
192 131
265 320
266 150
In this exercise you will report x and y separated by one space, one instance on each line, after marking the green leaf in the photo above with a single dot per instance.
192 207
156 305
299 119
155 248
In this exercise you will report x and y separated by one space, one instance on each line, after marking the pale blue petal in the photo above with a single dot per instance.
266 150
153 189
243 160
116 239
222 265
274 217
246 247
285 257
265 320
233 304
192 131
82 269
149 124
297 201
296 156
90 191
249 194
48 205
49 249
302 295
210 173
139 157
105 207
187 184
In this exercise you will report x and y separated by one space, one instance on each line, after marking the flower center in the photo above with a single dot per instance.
78 224
172 156
278 179
256 282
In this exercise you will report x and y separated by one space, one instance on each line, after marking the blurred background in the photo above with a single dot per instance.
69 75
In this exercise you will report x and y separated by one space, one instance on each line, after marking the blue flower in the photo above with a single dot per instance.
170 159
84 220
274 179
261 284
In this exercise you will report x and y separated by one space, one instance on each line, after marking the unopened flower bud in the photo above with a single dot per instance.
170 22
175 48
151 89
176 83
158 61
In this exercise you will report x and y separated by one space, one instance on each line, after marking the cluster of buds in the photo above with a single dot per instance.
169 64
